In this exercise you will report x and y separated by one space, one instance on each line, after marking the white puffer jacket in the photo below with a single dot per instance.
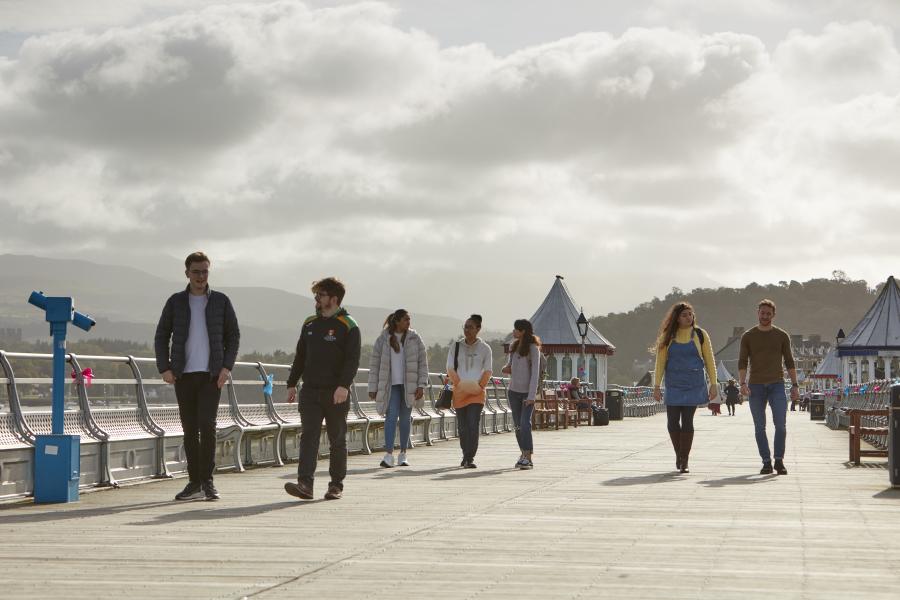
380 370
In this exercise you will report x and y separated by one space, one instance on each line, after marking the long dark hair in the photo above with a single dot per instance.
528 338
669 325
391 325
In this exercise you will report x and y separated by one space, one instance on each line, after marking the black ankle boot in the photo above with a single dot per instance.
676 444
687 440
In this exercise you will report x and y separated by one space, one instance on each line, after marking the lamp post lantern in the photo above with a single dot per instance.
582 324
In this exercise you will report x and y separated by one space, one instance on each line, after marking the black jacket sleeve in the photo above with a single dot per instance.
299 360
231 336
163 337
351 359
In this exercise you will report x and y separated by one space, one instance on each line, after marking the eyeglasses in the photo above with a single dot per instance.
321 295
195 272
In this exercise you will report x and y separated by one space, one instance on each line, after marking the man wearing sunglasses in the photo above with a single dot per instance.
327 358
203 331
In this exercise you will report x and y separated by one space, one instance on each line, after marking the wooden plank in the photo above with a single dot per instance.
602 515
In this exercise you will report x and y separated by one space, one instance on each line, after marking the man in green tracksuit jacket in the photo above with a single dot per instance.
327 359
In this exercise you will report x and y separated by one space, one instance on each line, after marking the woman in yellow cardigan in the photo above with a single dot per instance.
682 350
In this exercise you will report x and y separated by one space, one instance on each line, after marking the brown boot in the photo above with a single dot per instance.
676 444
687 439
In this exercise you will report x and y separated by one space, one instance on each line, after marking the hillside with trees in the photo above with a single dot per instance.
817 306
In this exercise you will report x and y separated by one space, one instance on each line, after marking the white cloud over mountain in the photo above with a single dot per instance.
292 141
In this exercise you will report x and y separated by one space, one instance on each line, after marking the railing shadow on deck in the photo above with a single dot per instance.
80 513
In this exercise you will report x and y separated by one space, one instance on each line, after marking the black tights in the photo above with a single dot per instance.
684 414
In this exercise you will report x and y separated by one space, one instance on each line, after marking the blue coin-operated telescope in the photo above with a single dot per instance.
57 457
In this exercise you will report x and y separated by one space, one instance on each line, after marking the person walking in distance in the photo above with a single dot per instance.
763 349
732 395
469 367
524 369
398 374
202 328
326 359
682 349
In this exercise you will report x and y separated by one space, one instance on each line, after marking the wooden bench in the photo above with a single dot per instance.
567 409
857 431
545 409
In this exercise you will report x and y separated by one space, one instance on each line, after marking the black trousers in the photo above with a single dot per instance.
198 405
315 405
680 418
468 419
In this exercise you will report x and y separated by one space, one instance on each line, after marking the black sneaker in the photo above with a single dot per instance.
334 493
210 490
779 468
462 463
192 491
766 469
470 464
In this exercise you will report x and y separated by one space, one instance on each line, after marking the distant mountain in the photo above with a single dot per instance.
818 306
126 302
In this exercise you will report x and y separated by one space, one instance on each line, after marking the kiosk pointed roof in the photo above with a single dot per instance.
830 366
554 320
722 373
879 329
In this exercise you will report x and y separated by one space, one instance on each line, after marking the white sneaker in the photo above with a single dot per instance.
520 462
387 461
401 460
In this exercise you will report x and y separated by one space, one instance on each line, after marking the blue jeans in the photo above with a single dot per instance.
521 414
773 393
397 408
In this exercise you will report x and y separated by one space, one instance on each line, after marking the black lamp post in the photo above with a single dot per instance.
582 324
839 338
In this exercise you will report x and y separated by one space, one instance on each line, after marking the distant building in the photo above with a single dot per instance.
10 334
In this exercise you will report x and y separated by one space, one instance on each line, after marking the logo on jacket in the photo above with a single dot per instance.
330 337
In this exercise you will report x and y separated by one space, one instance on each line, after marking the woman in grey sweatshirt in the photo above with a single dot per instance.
524 368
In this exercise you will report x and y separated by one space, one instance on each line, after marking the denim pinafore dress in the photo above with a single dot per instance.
685 380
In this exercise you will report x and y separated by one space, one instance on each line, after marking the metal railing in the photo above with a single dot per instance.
639 401
129 424
873 395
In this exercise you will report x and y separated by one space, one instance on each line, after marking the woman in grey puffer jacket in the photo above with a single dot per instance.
398 374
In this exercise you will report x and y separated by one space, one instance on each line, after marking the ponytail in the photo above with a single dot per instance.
390 324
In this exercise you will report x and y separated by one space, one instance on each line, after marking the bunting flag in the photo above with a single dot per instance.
85 376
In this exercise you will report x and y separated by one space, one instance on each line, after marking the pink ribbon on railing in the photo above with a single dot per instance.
86 376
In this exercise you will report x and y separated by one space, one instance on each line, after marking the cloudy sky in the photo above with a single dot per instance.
452 156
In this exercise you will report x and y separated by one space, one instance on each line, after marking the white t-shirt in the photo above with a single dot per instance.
398 363
474 360
196 348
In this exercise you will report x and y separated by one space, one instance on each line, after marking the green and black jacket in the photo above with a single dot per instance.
327 352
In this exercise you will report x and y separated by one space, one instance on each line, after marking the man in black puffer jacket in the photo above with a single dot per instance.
204 334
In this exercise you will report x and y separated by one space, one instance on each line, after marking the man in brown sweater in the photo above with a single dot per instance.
765 347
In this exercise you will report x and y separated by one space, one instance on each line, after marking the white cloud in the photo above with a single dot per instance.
301 140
